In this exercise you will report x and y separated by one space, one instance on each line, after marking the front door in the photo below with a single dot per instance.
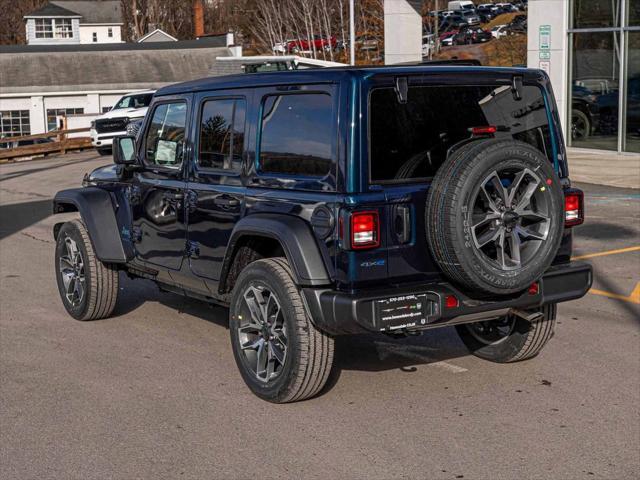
157 191
215 192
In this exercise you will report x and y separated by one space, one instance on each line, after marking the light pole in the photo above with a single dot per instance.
352 33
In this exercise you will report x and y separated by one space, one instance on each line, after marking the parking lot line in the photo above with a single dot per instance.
607 252
634 297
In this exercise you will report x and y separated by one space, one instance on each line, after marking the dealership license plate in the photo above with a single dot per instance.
407 311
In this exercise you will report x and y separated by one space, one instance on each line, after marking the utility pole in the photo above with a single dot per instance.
436 38
352 32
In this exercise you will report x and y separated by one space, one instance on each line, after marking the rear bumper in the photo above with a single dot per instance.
423 306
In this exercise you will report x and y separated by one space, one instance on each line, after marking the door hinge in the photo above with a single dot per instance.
192 249
191 201
133 194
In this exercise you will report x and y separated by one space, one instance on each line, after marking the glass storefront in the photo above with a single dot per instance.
605 74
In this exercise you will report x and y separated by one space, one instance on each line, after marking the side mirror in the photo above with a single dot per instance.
124 151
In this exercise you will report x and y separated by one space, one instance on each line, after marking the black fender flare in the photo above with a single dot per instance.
97 212
296 238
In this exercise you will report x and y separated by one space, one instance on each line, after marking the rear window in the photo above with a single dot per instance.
297 134
410 141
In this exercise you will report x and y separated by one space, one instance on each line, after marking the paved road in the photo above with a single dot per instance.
154 391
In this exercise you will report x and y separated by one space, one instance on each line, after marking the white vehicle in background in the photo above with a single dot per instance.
113 123
461 5
499 31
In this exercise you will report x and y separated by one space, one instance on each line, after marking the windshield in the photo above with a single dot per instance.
134 101
411 140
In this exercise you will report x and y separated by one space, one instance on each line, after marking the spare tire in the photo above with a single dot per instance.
495 216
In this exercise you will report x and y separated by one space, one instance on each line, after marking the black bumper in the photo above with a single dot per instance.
424 306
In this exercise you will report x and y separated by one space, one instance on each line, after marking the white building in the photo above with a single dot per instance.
591 51
72 22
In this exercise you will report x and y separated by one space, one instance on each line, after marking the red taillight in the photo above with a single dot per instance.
534 288
451 301
486 130
365 230
573 207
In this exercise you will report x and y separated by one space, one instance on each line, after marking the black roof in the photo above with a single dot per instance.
454 73
204 42
52 10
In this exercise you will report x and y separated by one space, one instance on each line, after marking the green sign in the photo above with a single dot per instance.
545 37
545 55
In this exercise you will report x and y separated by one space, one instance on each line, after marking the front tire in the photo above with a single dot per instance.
104 151
510 338
88 287
281 355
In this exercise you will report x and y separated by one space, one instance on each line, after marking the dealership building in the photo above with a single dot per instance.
591 50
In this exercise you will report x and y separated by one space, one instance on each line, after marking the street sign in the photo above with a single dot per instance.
545 55
545 65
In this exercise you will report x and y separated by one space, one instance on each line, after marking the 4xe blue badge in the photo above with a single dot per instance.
373 263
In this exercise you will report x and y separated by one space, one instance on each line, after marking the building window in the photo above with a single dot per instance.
63 28
44 28
110 32
14 123
54 113
605 78
54 28
95 37
106 109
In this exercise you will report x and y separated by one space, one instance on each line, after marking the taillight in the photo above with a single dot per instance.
573 207
365 230
486 130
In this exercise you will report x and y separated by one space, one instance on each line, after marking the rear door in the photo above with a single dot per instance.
409 142
215 191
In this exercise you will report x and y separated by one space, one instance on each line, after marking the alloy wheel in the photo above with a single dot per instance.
71 267
510 217
262 332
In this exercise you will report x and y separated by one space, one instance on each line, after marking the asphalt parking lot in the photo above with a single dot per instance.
154 392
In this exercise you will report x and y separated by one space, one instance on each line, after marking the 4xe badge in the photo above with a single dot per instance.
373 263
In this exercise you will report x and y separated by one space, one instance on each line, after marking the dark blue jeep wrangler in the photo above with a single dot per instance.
337 201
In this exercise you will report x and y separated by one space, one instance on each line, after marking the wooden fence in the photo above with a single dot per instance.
61 144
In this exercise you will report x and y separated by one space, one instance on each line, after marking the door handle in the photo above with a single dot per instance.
226 201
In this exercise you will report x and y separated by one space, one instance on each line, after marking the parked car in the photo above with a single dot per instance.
25 143
428 45
458 19
317 41
114 122
446 39
471 35
235 193
459 5
507 7
499 31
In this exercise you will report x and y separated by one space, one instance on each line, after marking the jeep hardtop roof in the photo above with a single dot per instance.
457 74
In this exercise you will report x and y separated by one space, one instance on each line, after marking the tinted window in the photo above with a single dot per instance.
134 101
222 133
297 134
164 143
409 141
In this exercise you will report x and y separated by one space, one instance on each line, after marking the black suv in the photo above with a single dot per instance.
318 203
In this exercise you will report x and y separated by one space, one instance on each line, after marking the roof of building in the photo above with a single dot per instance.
90 11
31 69
157 35
94 11
52 10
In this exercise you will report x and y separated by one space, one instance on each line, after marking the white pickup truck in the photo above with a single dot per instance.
113 123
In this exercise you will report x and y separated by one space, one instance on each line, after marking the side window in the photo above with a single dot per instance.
164 144
297 134
222 134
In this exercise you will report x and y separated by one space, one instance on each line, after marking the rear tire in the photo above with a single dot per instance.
281 355
88 287
519 340
104 151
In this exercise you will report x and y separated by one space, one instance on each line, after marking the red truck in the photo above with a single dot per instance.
317 41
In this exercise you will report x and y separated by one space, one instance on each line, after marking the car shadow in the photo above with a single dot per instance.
371 352
29 171
603 231
18 216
